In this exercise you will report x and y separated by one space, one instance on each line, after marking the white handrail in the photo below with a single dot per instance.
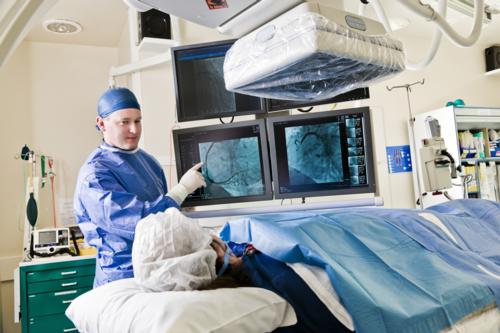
436 40
375 201
429 13
138 66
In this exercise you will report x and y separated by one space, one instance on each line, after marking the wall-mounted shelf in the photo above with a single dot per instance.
493 72
159 47
156 45
479 160
477 117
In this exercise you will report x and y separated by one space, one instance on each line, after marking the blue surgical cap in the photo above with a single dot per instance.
116 99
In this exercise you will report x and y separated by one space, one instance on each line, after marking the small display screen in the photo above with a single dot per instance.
235 162
200 87
47 237
326 153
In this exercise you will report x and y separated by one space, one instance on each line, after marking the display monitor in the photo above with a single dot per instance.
277 105
323 153
235 162
199 84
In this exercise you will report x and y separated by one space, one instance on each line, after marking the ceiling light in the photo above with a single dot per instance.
62 26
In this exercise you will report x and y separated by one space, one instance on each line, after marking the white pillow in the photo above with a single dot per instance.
121 306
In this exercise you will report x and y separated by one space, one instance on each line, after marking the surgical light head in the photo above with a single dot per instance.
116 99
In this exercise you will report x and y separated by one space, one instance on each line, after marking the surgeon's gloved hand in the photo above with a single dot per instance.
193 179
188 183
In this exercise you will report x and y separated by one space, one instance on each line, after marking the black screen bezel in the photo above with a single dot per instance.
265 162
301 119
181 117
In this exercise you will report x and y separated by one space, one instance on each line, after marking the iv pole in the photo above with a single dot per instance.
412 127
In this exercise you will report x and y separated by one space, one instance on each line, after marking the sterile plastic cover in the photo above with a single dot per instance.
306 56
172 252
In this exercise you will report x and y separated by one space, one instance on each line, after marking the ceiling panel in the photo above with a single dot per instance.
104 21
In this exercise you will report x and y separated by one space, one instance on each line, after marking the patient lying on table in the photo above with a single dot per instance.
171 252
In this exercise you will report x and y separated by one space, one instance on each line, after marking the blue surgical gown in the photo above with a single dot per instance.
116 189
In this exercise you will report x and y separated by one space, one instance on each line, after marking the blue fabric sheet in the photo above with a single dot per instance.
386 280
474 245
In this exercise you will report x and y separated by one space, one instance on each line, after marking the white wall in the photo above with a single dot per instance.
49 95
67 81
15 131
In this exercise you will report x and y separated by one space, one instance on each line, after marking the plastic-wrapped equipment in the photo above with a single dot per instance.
312 52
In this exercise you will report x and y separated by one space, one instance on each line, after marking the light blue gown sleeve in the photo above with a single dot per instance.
113 208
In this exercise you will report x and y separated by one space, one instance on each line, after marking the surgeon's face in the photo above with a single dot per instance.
122 129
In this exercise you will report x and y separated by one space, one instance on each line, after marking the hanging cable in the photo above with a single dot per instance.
230 122
305 110
448 196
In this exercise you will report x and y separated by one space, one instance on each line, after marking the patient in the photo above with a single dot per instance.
172 252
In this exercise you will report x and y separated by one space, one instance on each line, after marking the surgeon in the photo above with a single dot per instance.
119 184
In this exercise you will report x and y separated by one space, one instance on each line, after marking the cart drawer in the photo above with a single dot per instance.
58 323
61 285
53 302
60 273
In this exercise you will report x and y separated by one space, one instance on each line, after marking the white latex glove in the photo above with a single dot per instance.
188 183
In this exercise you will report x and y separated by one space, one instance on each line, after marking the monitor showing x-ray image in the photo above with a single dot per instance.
323 153
199 84
235 162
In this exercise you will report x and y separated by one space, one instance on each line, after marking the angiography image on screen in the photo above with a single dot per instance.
211 96
314 154
235 162
199 84
323 153
231 168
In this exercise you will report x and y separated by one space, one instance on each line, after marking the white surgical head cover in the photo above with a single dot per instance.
172 252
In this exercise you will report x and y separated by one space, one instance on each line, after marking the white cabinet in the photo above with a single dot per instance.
452 120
